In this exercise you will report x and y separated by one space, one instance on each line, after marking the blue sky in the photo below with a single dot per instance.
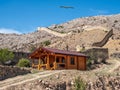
24 16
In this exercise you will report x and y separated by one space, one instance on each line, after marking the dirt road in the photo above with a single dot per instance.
26 78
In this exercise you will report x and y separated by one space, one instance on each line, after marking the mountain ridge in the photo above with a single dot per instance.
85 31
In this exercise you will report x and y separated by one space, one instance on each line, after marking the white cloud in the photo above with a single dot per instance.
98 12
6 31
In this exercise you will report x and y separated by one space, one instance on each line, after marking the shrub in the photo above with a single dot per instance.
5 55
47 42
115 21
24 63
62 32
89 62
93 57
83 48
32 48
106 31
60 27
79 84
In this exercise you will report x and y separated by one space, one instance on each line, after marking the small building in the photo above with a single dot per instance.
51 59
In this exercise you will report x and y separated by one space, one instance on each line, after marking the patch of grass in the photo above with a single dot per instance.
62 32
79 84
34 71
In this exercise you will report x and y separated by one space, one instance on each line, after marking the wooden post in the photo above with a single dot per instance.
60 59
39 61
48 63
65 62
39 64
85 63
32 63
55 64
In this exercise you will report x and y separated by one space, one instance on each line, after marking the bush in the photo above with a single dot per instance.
89 62
60 27
5 55
62 32
24 63
79 84
46 43
83 48
32 48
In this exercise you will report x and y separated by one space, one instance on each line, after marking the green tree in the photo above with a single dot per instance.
5 55
24 62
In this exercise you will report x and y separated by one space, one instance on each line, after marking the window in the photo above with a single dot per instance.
63 60
57 60
72 61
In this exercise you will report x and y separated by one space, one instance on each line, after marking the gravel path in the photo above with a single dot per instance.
26 78
117 64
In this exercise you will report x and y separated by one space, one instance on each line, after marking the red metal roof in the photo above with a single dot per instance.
65 52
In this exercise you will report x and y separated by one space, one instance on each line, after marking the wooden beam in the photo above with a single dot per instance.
60 55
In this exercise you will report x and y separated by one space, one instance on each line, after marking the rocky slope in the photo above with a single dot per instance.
85 31
79 24
25 41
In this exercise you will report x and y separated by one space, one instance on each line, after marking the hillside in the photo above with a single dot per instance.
79 24
23 42
75 33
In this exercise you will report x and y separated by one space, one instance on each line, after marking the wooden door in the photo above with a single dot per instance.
81 63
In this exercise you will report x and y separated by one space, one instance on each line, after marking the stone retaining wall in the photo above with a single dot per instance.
9 71
100 54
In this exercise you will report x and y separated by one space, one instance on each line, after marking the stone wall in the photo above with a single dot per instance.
105 39
99 54
9 71
19 55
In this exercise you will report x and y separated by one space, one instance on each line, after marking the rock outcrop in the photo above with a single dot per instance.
105 83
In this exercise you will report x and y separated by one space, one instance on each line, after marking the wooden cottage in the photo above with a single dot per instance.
48 58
